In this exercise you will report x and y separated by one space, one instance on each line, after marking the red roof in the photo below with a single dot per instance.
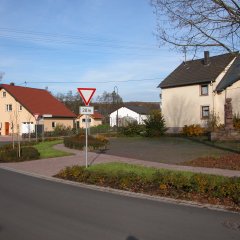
38 101
96 115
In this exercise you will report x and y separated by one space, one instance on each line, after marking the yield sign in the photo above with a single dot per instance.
86 94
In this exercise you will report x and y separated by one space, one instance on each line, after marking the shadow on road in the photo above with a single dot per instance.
131 238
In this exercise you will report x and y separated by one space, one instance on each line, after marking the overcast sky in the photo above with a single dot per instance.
86 43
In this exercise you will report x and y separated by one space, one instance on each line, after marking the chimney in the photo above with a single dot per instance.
12 84
206 60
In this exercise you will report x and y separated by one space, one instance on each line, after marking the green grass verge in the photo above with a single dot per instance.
46 149
177 184
115 168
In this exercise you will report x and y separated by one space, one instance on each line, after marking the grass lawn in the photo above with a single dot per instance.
115 167
4 143
46 149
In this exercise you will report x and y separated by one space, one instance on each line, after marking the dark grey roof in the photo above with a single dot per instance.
232 76
196 72
139 109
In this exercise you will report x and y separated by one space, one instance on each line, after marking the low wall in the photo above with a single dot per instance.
225 135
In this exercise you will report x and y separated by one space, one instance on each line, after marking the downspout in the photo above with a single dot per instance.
213 95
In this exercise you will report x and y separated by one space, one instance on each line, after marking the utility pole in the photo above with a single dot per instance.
116 94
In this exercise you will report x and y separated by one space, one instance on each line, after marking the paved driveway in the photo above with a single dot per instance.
51 166
169 150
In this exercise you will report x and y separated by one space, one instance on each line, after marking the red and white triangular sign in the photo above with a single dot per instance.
86 94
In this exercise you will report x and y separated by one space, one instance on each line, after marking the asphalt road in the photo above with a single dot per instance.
36 209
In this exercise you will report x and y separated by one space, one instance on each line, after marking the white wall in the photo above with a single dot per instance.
182 105
125 112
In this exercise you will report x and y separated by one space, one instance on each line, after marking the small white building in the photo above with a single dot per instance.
129 114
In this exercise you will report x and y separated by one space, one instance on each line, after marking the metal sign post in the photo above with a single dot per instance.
86 94
86 113
86 147
36 116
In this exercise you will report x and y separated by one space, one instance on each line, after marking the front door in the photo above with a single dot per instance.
7 128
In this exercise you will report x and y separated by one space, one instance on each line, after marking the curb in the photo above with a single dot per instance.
127 193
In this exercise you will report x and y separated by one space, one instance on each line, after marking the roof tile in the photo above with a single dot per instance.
196 72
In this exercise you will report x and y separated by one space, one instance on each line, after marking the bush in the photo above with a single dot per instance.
155 124
193 130
213 122
29 153
132 129
11 155
236 121
171 183
62 130
79 141
100 129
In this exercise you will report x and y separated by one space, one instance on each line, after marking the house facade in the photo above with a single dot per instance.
129 114
198 88
21 108
93 120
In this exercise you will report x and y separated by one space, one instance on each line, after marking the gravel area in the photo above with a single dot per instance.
170 150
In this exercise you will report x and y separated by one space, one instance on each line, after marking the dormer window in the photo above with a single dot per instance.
4 94
204 90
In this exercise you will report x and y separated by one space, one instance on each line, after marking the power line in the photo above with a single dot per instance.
70 39
87 37
101 82
89 51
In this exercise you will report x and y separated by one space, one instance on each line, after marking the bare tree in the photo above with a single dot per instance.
195 24
11 120
108 102
17 125
72 101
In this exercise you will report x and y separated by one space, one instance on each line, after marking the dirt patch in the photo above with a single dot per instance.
230 161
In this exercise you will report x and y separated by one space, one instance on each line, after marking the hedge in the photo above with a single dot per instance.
166 183
11 155
79 141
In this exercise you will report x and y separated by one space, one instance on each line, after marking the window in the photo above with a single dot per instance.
84 120
4 94
9 107
204 90
78 125
20 108
53 124
205 111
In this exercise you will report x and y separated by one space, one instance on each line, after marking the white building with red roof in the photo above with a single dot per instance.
20 106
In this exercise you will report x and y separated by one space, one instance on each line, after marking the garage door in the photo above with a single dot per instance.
27 127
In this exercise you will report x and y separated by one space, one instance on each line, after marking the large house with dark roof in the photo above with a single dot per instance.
21 108
198 88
